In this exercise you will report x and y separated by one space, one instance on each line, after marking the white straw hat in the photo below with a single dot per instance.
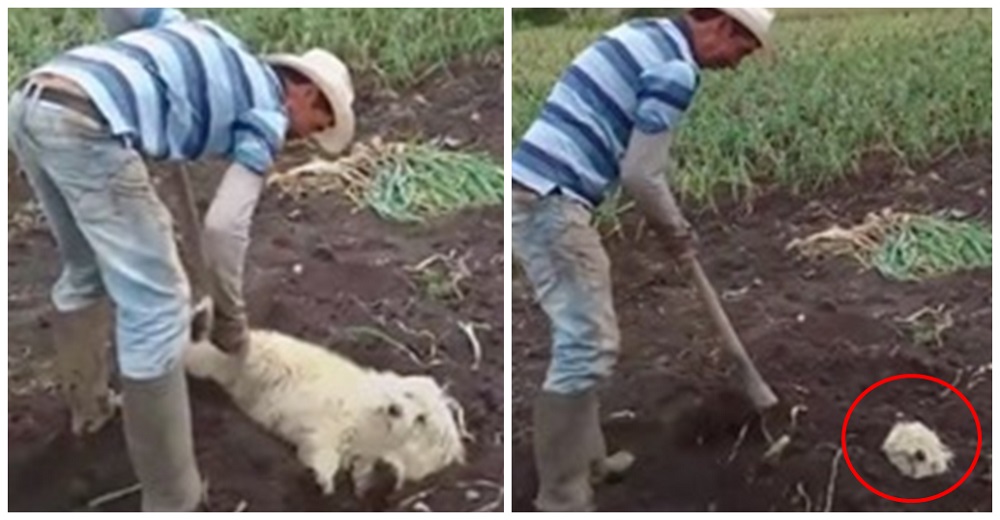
756 20
333 78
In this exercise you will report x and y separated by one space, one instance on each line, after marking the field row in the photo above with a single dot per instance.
369 39
910 83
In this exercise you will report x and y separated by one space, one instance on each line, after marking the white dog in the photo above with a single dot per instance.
338 415
916 451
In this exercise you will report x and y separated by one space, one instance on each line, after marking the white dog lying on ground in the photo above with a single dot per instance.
338 415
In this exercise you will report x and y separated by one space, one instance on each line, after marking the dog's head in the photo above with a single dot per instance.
413 425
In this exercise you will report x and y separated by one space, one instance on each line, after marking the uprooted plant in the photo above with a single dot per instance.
906 246
404 182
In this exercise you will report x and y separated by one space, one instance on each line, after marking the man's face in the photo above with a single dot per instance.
308 110
725 44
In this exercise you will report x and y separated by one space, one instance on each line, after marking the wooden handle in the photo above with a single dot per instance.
189 221
757 390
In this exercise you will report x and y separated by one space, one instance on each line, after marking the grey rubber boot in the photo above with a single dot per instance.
563 447
570 452
82 366
159 437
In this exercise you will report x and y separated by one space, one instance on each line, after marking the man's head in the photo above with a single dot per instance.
723 37
318 98
308 109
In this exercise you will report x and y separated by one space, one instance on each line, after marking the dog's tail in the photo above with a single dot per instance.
203 360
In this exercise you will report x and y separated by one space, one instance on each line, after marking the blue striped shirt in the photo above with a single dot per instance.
638 76
180 89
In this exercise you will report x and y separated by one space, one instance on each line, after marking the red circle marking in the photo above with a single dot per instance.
979 433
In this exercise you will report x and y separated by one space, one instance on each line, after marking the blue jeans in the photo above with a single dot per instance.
115 236
562 256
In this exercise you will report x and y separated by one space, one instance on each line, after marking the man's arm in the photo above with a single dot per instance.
643 177
664 95
227 237
257 138
120 21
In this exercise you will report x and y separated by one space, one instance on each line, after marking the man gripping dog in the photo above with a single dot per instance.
163 88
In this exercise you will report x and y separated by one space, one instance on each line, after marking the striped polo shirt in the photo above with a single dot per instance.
180 89
640 75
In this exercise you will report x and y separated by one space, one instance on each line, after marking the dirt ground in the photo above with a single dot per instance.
821 332
316 269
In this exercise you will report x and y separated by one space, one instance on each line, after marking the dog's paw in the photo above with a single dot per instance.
202 318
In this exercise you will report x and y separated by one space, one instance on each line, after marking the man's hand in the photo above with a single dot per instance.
681 240
231 335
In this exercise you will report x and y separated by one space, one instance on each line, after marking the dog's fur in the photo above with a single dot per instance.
338 415
916 450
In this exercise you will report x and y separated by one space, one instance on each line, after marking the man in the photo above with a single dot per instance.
164 88
608 120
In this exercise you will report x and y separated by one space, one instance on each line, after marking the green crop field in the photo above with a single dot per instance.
913 83
396 44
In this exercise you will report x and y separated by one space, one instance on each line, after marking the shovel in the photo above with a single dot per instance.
756 389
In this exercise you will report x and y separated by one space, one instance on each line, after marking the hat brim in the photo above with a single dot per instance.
764 38
336 139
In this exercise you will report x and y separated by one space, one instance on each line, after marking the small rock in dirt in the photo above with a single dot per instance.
471 495
622 415
295 214
916 451
475 117
982 193
297 269
801 318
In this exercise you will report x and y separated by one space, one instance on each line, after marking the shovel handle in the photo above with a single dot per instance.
189 222
756 388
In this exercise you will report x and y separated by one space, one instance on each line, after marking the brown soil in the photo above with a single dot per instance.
353 273
821 332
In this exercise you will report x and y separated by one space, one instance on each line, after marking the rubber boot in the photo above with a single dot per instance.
563 445
159 438
82 366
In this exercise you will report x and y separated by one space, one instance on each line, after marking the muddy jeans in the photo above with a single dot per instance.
114 234
563 257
